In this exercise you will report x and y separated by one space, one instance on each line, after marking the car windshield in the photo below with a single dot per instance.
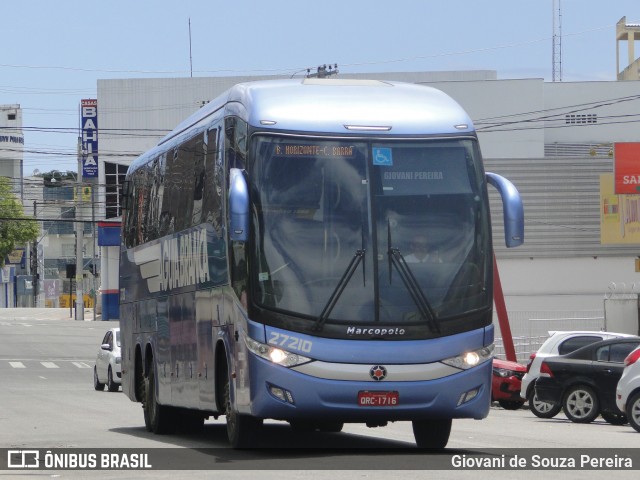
390 232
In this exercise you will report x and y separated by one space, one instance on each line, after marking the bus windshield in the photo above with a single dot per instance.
365 232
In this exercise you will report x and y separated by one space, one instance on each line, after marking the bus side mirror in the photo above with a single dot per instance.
512 208
238 206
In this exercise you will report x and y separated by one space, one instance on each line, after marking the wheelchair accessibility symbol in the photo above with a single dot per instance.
382 157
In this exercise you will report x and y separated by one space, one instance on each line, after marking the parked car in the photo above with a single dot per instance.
505 384
628 389
584 381
559 343
107 369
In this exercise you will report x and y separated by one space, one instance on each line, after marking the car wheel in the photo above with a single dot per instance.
96 383
510 404
112 386
633 411
581 404
614 418
157 418
432 434
542 409
242 430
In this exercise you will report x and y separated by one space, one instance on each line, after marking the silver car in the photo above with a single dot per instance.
107 369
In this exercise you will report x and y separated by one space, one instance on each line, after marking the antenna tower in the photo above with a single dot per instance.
557 41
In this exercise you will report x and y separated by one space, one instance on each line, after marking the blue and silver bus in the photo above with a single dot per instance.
313 251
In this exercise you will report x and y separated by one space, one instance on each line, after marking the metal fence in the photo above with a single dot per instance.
530 329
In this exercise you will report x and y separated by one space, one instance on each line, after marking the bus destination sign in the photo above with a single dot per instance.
309 150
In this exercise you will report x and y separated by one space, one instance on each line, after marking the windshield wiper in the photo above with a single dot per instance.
413 287
337 292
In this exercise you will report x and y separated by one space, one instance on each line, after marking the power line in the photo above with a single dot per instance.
284 70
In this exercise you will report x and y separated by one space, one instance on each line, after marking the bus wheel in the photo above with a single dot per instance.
432 433
157 418
242 430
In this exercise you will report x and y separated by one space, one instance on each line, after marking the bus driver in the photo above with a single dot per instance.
421 253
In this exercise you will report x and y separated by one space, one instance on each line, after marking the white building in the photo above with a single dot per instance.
11 158
11 143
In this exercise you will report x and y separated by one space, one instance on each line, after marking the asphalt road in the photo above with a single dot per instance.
47 401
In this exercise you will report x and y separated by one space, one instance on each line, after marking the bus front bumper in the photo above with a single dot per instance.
281 393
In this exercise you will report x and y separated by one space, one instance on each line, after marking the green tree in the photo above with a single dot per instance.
13 229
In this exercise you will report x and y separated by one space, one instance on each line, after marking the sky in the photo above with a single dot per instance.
53 52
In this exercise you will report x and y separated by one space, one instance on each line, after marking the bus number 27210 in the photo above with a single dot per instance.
290 342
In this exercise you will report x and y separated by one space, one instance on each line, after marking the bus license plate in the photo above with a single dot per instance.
378 399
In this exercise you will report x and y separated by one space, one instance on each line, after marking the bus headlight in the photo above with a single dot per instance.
275 354
470 359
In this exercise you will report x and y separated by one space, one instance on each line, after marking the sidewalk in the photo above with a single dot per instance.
30 314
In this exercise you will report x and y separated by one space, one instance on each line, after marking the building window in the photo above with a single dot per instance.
114 178
11 116
589 118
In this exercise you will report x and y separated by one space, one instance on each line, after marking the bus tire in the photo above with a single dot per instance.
432 434
242 430
157 418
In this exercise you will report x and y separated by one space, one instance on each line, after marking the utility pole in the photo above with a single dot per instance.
79 239
94 268
34 263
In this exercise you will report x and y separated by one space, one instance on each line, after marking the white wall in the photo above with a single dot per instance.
615 103
565 284
497 104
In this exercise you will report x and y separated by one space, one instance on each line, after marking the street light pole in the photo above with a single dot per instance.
79 239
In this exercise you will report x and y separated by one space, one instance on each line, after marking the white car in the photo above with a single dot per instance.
107 369
559 343
628 389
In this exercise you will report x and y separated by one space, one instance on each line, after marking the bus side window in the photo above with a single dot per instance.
183 178
239 276
213 175
199 164
130 218
236 142
167 222
155 200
